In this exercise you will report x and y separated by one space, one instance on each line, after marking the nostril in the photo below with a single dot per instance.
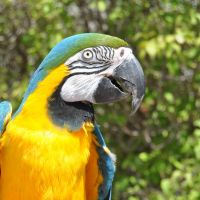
122 52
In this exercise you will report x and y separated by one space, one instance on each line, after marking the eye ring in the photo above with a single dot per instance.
87 55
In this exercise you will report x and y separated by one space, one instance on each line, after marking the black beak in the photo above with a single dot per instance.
130 76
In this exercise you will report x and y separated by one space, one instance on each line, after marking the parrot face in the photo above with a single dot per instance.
102 75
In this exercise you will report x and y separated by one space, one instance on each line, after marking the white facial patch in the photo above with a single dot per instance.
80 88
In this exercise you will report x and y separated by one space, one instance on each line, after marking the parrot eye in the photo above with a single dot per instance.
87 55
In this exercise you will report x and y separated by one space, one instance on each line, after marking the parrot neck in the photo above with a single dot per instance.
69 114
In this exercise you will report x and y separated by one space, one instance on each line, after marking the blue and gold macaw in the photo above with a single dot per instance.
52 148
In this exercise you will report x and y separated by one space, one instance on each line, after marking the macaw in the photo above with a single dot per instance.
52 147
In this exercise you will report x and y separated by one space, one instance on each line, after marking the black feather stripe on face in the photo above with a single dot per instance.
87 73
89 67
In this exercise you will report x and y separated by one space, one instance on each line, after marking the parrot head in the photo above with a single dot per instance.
99 69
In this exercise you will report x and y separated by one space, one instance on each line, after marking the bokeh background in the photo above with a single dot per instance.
158 148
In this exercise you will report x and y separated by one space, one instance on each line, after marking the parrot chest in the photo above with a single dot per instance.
44 165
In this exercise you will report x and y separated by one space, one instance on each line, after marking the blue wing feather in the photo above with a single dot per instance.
106 166
5 114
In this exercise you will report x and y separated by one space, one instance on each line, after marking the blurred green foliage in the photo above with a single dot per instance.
158 149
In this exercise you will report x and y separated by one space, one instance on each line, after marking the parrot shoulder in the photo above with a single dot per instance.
5 115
